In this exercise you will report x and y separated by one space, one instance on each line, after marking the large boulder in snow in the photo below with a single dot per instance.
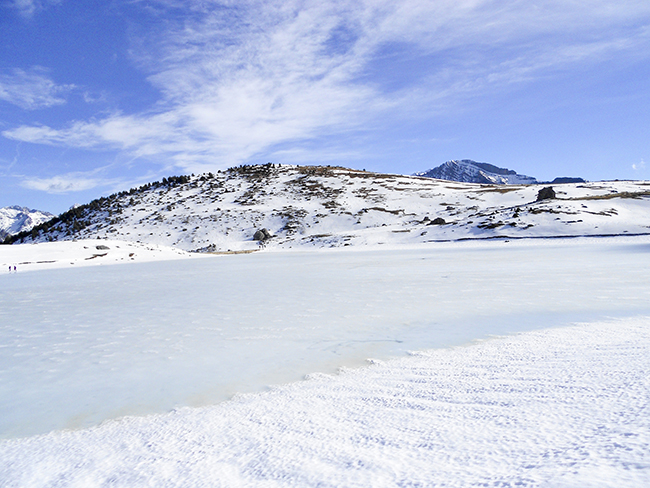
262 235
437 221
546 193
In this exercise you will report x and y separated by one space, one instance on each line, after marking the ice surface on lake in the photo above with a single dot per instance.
78 346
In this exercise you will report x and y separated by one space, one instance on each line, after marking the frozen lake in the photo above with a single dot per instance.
78 346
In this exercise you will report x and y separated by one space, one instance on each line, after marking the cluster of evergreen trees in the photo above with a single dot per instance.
254 170
78 217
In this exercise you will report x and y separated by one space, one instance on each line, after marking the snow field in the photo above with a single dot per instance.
563 407
85 252
559 407
82 345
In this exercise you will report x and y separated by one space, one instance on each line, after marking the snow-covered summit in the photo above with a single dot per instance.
468 171
306 207
17 219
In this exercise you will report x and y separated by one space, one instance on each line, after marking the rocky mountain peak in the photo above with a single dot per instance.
16 219
469 171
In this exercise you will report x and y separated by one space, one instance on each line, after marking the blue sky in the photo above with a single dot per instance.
97 96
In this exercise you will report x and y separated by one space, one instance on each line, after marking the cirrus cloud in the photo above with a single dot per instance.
27 8
639 166
60 184
31 89
241 78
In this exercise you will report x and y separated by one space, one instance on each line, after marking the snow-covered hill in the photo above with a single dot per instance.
308 206
14 220
468 171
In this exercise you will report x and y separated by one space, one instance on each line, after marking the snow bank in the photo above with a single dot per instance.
84 252
563 407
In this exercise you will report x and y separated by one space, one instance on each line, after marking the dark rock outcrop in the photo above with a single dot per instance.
546 193
437 221
262 235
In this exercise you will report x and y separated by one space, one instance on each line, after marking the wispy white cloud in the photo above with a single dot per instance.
240 78
68 183
31 89
639 166
27 8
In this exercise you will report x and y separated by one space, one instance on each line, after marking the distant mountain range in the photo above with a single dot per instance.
14 220
468 171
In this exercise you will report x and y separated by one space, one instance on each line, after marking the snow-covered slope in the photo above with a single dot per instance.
307 207
20 219
468 171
